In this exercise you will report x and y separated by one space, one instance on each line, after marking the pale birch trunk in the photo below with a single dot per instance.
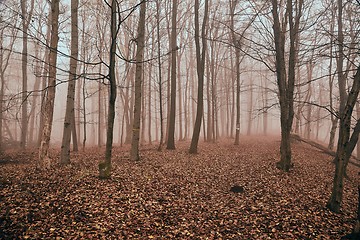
44 161
69 112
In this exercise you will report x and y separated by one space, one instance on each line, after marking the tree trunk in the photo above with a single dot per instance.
200 63
84 114
99 129
250 108
4 63
180 97
208 102
34 100
26 18
105 167
149 91
44 160
134 152
265 106
143 111
69 113
160 75
345 144
74 134
334 119
237 46
286 79
171 131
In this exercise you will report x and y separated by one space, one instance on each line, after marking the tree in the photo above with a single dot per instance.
334 119
171 131
200 63
134 152
45 76
105 167
286 77
159 75
346 142
26 19
237 43
5 56
44 160
69 113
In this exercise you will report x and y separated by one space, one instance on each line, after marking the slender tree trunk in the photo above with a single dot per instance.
69 113
160 75
74 133
334 119
208 102
237 45
134 152
78 108
4 63
237 128
34 101
171 131
84 114
345 144
44 160
180 97
149 100
232 122
200 63
150 89
187 107
250 108
44 79
143 111
265 105
26 18
105 167
99 130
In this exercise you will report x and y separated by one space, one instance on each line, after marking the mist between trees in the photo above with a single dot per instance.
158 72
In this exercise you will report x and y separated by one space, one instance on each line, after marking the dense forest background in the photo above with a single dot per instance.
234 29
94 74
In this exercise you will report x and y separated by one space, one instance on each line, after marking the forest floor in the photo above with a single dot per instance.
175 195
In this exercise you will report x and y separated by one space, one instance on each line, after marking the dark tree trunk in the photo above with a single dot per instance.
105 167
171 132
200 63
134 152
345 146
286 79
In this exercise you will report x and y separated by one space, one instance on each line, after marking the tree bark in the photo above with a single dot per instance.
171 131
134 152
4 63
69 112
286 79
105 167
250 105
160 75
236 42
26 18
200 63
44 161
346 144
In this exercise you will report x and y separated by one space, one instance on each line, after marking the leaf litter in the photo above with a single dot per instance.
175 195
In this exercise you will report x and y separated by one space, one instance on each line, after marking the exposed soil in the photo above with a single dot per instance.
175 195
